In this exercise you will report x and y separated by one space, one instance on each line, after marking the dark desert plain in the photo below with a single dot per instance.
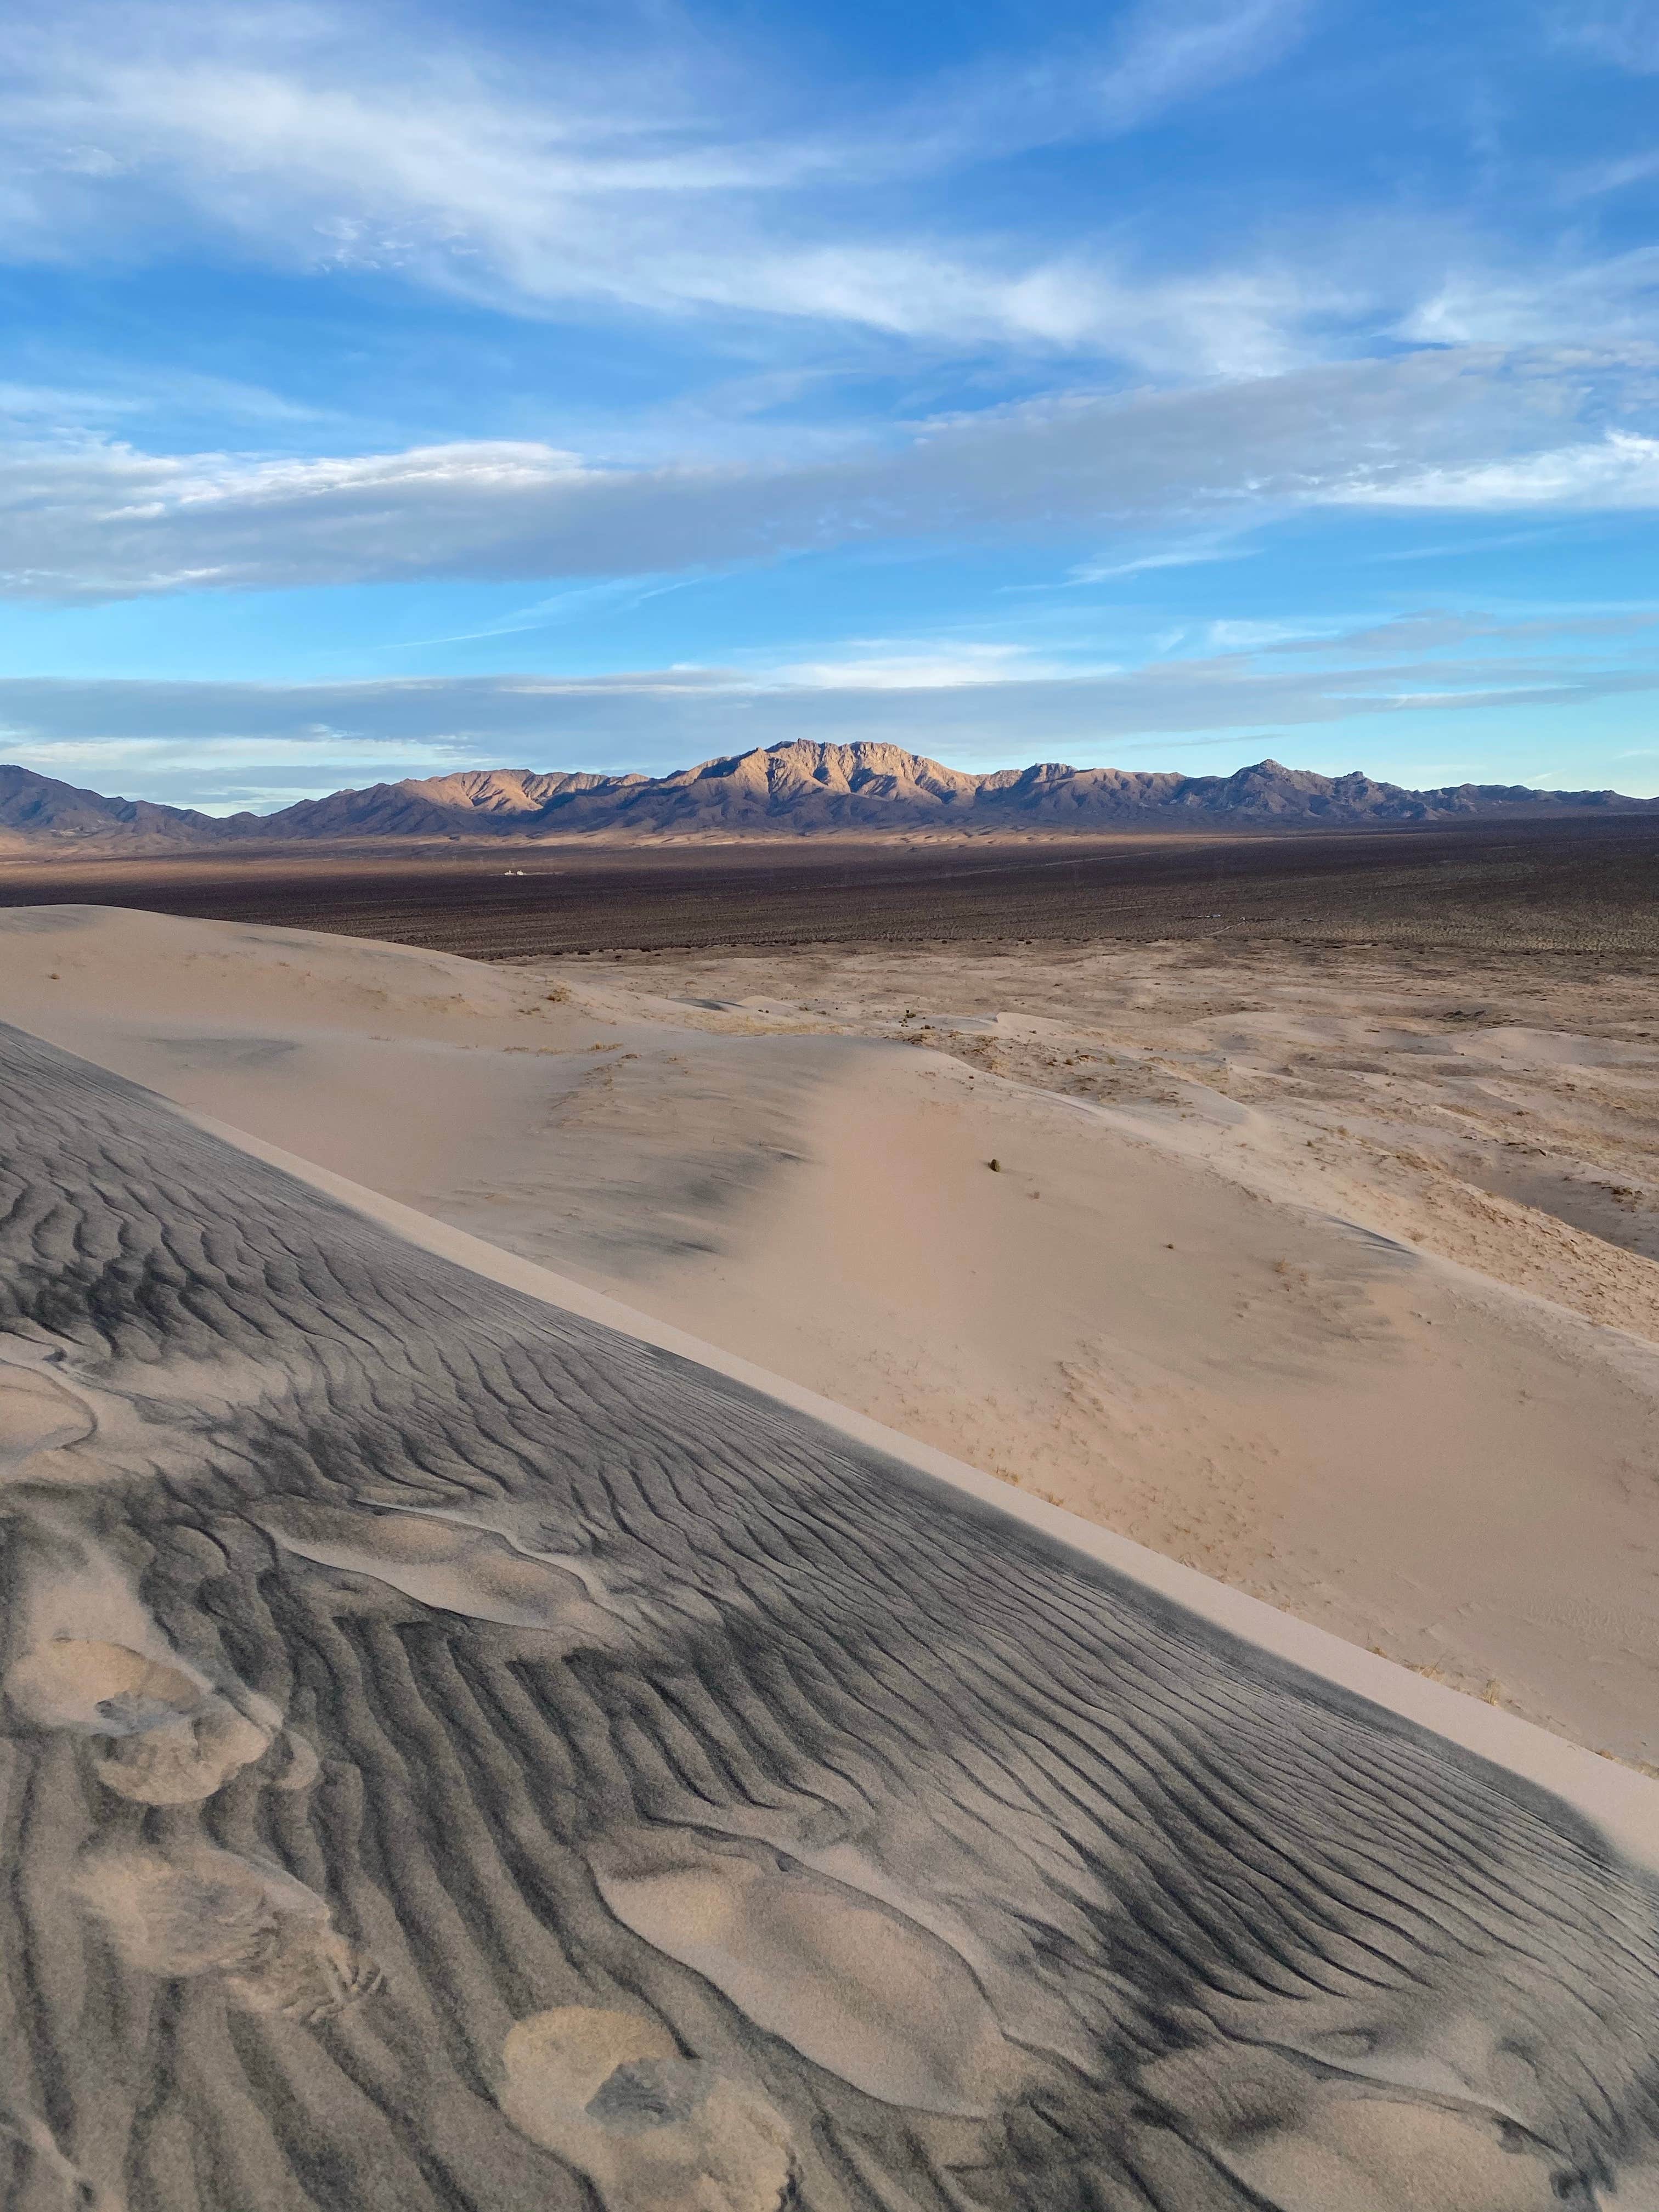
1572 885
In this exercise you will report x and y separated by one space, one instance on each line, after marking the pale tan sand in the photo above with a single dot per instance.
1451 1458
859 1989
581 2080
171 1740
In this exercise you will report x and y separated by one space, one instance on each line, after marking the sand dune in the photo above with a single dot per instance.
875 1849
1366 1385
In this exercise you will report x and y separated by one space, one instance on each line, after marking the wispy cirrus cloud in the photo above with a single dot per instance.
1617 470
1517 299
1156 56
1623 31
638 174
648 174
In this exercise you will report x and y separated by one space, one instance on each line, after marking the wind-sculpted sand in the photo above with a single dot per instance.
618 1787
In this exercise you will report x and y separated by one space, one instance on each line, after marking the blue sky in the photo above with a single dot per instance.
388 390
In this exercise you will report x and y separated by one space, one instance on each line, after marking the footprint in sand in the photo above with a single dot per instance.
166 1738
857 1988
1307 2138
652 2130
37 1415
444 1563
194 1910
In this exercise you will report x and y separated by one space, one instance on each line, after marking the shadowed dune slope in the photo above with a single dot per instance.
544 1771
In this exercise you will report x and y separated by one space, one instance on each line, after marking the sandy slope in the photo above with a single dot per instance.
1170 1309
459 1754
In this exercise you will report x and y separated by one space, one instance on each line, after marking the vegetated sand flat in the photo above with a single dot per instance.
1579 884
460 1755
1328 1271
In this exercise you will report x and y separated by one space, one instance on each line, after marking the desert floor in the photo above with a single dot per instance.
1328 1269
1583 885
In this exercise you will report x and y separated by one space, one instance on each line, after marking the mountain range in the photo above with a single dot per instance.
787 790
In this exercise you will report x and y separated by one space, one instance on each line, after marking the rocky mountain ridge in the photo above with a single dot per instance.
793 789
37 811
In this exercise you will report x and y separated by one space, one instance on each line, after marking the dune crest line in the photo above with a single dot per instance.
459 1755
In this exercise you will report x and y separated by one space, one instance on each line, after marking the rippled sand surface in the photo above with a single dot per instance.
458 1754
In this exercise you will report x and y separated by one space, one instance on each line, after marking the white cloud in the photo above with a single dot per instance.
137 755
1475 428
1541 296
874 667
1620 471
